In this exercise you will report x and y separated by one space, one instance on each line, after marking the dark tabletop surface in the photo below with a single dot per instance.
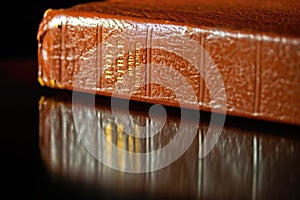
44 158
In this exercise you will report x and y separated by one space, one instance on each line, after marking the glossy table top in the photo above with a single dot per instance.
44 157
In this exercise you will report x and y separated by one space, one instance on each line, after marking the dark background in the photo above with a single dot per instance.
22 173
19 25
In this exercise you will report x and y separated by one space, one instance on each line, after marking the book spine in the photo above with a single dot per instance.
91 54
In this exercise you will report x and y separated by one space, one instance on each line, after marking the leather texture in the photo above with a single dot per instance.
254 45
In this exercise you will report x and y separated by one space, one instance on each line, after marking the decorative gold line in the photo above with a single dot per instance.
149 60
99 55
202 68
257 77
63 52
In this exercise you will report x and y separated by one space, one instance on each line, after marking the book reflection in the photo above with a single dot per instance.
243 164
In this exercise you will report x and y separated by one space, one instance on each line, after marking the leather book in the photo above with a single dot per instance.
236 57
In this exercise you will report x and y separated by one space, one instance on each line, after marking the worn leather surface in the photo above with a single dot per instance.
279 16
255 45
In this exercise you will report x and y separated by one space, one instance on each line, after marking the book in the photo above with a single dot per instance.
241 58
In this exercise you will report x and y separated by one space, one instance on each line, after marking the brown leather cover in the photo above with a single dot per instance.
254 45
